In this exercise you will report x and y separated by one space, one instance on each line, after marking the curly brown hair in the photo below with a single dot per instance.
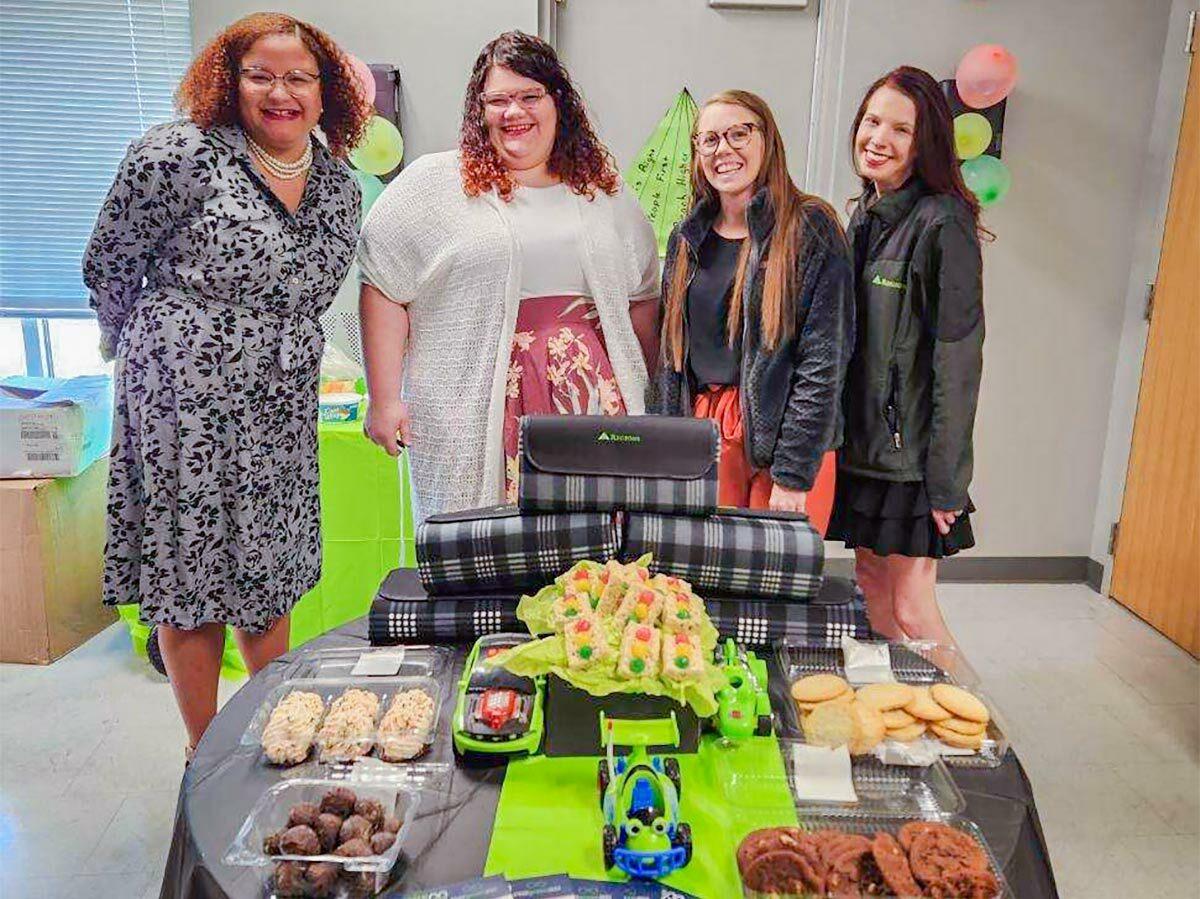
578 157
208 93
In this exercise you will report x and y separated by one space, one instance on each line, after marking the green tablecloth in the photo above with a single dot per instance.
366 530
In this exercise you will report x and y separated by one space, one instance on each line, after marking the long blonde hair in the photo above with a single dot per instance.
791 207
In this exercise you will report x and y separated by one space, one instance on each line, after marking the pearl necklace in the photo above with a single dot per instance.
285 171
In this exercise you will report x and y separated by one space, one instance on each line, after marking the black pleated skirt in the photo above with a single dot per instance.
892 518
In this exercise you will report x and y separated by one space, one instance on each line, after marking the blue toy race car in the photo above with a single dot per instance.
639 795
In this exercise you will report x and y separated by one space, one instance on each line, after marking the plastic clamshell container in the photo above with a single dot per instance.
868 826
339 661
334 407
270 813
913 662
354 746
882 789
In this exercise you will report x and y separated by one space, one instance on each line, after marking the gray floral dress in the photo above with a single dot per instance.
208 292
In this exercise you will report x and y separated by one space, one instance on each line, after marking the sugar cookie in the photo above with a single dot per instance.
958 701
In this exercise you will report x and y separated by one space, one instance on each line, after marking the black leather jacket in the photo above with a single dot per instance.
790 396
913 382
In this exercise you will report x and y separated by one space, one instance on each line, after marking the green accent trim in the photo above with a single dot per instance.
881 281
615 437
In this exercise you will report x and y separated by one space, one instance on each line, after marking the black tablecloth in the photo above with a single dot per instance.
448 840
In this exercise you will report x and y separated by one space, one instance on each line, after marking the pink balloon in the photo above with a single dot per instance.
363 73
986 75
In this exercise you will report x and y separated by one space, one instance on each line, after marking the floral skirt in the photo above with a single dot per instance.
559 366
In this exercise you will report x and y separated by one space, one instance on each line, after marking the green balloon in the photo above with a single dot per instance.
371 186
972 134
381 148
988 178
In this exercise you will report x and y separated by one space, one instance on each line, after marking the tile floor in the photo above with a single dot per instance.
1102 709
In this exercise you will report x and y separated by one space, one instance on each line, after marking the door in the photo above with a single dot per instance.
1156 571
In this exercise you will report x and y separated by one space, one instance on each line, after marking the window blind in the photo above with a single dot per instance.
79 80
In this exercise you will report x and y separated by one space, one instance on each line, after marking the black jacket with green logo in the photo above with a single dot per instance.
913 381
790 394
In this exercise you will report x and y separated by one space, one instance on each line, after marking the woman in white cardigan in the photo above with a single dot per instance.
514 275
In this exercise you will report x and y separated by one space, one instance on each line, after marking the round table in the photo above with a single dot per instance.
448 840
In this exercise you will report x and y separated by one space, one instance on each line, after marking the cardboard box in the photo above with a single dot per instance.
53 427
51 564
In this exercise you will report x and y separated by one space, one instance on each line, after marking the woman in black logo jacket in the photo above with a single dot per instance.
758 314
911 388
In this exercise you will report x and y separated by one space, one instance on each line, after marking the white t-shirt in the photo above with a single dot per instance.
546 223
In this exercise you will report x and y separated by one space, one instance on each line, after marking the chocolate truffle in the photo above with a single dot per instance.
354 828
300 840
391 824
321 879
327 827
289 879
372 810
339 801
271 843
356 848
382 842
304 813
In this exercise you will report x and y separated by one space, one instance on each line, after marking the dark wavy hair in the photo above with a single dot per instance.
578 157
208 93
935 162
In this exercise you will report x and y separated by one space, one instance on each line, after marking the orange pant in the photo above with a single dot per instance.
750 488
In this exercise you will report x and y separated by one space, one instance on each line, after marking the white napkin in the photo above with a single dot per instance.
867 663
918 753
821 774
379 663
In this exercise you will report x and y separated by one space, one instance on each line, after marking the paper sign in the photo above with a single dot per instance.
380 663
821 774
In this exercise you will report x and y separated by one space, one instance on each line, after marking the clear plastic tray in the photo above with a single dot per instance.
339 661
913 662
868 826
329 689
882 789
269 815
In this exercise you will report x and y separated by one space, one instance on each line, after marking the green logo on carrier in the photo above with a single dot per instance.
881 281
614 437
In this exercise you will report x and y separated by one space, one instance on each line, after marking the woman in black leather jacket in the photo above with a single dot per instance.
913 381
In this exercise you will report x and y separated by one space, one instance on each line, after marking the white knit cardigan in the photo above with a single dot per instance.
454 261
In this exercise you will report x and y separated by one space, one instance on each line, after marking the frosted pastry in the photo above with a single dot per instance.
642 605
682 656
585 642
290 730
349 727
641 646
406 728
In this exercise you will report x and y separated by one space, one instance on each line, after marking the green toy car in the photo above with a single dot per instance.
743 704
639 796
497 712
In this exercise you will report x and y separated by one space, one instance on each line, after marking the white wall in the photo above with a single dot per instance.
1056 278
1147 231
630 58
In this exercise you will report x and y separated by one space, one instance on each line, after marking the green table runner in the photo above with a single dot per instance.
363 537
549 819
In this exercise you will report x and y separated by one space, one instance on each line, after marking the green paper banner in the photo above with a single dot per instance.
661 172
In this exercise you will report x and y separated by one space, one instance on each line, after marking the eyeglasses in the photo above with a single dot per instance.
297 82
498 101
737 136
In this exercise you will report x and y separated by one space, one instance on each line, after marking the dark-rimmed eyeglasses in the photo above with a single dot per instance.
737 136
498 101
297 82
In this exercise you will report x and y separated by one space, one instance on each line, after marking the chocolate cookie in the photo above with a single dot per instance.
768 839
777 872
965 885
339 801
893 865
942 852
299 840
844 857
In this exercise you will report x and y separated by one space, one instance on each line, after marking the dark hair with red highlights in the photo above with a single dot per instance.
578 158
936 162
208 93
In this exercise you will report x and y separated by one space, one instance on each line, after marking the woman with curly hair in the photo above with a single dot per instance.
503 279
223 238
